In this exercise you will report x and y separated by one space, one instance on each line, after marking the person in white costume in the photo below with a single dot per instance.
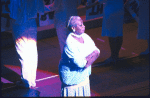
23 13
78 55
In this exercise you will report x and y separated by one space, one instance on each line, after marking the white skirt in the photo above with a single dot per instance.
79 90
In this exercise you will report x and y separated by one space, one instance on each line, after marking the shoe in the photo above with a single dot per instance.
33 92
33 87
112 60
22 84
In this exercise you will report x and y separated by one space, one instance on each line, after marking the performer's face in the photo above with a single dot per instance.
80 28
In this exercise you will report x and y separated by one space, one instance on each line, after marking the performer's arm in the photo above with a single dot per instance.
91 58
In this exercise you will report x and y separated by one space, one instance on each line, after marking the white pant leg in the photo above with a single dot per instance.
27 49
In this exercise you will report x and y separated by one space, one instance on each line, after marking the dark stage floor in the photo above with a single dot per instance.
130 77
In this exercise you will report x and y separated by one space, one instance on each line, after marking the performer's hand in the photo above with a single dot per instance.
94 53
91 58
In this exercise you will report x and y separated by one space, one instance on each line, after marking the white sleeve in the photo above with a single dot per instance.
74 54
91 43
97 49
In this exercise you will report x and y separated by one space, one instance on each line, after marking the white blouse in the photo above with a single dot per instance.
79 51
71 66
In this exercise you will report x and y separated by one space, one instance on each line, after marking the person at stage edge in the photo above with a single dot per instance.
78 55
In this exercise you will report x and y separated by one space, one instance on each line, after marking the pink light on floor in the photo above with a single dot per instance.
134 54
100 40
5 81
94 94
49 81
46 78
44 74
14 68
40 75
123 48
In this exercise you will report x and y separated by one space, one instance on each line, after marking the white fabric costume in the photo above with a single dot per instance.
71 68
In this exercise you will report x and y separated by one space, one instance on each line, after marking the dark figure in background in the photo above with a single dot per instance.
112 25
143 23
23 13
139 9
63 9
